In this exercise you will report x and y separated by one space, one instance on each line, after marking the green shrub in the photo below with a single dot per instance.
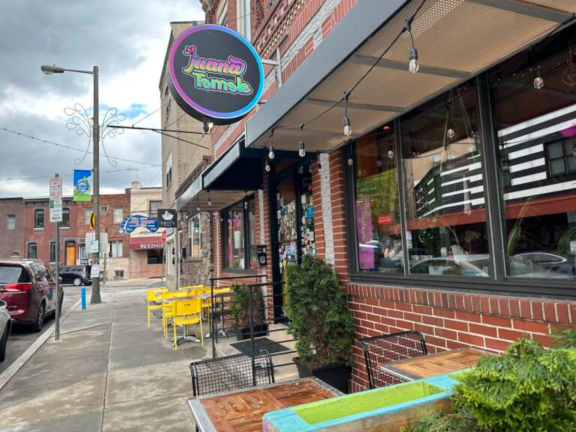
320 319
528 389
240 306
565 339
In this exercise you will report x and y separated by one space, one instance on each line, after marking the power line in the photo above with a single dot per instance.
70 148
62 175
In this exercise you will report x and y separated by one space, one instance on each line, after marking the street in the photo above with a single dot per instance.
21 337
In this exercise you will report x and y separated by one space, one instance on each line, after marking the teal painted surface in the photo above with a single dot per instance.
289 420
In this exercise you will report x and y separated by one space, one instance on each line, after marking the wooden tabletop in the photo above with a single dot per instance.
435 364
242 410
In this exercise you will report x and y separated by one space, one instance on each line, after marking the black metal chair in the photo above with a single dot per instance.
379 350
233 372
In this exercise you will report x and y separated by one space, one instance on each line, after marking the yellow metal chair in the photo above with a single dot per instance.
168 308
152 296
188 312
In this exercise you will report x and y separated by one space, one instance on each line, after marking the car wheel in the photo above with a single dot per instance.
77 282
4 342
37 326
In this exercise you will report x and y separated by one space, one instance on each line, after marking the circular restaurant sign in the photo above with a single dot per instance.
215 74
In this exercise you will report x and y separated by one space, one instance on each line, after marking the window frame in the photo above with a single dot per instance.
114 219
113 243
243 19
246 240
37 211
168 166
28 245
498 281
53 251
197 217
9 218
65 217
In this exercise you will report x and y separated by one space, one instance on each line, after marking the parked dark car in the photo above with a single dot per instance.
75 275
29 289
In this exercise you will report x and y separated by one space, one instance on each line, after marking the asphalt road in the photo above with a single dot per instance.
21 337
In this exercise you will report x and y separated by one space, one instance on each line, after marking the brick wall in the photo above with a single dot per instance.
197 270
11 240
451 320
139 267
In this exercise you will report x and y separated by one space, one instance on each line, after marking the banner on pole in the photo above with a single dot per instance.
82 185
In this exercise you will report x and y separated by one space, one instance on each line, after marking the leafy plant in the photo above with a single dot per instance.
240 306
319 316
528 389
565 338
471 236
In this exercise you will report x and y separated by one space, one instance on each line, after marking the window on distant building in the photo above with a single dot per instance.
11 222
118 215
153 207
33 250
243 12
156 256
169 170
52 252
65 218
39 218
118 274
103 209
87 213
116 249
194 236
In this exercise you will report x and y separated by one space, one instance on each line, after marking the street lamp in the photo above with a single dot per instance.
49 70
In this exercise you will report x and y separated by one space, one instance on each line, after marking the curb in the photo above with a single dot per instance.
9 373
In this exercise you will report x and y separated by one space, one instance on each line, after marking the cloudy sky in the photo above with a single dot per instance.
127 40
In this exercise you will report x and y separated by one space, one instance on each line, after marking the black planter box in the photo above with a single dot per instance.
243 333
336 375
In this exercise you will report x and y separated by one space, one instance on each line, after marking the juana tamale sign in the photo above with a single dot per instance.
215 74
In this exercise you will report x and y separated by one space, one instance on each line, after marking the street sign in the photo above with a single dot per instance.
55 199
167 218
92 220
94 246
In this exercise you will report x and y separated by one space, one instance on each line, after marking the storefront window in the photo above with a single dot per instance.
444 187
240 236
536 131
155 256
378 227
195 236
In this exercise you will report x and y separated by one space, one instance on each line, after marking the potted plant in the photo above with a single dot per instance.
240 311
320 321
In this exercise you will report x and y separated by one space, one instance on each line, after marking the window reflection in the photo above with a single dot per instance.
378 226
235 237
537 147
444 186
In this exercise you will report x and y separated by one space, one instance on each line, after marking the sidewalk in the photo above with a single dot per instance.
109 372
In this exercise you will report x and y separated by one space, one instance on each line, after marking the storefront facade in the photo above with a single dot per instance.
449 209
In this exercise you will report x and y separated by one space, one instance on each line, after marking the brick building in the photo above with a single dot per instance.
448 208
40 234
11 228
114 257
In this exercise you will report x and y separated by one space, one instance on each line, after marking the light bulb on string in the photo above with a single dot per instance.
538 80
267 167
450 132
347 127
391 154
271 154
350 161
302 149
413 65
379 163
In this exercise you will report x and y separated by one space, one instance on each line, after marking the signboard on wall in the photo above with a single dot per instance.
215 74
132 222
167 218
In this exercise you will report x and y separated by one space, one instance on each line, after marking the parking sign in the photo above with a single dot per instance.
55 199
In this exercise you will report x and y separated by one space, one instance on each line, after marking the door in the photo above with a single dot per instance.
70 253
293 233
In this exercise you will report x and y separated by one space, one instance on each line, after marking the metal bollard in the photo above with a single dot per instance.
83 297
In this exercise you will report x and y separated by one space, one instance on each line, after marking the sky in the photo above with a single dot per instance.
127 40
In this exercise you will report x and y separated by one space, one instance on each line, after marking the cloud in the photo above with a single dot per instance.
126 39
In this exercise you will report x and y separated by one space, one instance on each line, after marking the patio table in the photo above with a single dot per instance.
435 364
242 410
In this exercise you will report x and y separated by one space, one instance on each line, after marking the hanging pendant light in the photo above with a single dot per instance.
302 145
271 154
267 167
413 65
346 120
450 132
538 80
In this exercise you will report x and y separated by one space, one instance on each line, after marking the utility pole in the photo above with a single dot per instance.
56 216
95 298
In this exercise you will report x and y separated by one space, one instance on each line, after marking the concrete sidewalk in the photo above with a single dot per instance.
109 372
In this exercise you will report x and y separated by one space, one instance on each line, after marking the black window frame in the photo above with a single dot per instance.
247 245
28 246
65 218
53 252
37 212
498 281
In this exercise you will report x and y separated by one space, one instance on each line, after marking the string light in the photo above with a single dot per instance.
302 146
346 120
350 161
450 132
538 80
267 167
208 125
391 154
209 200
271 153
413 65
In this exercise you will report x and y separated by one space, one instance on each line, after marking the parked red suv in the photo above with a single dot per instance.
29 289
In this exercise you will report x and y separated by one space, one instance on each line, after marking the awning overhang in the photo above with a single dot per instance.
235 174
456 40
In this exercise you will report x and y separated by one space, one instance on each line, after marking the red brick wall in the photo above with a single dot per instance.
11 240
451 320
139 267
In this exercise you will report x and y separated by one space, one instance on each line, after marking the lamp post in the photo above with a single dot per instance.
49 70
